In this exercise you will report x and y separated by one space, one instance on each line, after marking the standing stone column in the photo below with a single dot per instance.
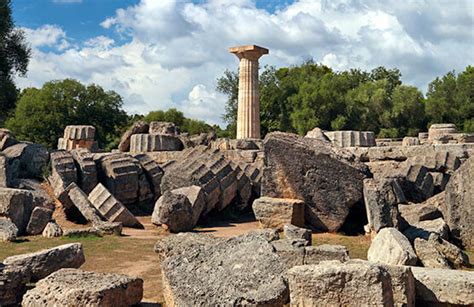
248 111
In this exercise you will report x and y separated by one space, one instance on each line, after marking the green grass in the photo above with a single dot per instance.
357 245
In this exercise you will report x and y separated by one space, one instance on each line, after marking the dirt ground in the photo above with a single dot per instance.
132 253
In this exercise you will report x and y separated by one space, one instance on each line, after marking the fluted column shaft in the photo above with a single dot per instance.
248 114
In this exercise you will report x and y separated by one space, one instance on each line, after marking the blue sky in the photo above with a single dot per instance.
159 54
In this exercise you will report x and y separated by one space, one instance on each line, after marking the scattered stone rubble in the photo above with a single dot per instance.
416 195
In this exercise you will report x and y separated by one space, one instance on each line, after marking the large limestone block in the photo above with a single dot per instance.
435 252
435 286
12 285
136 128
290 253
276 212
226 176
6 172
63 171
32 159
40 217
86 169
381 197
324 252
52 230
153 172
154 142
243 270
111 208
403 284
317 133
424 229
292 232
121 174
327 178
332 283
16 204
459 213
72 287
196 198
439 130
415 213
351 138
391 247
73 196
165 128
175 245
41 264
79 132
8 230
410 141
174 212
6 139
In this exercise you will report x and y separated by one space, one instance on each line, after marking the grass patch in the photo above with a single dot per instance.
357 245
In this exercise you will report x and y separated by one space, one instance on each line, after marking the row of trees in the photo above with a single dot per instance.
299 98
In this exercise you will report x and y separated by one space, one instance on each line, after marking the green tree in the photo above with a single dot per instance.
450 99
42 114
14 58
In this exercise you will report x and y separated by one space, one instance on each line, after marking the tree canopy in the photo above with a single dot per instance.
14 58
42 114
187 125
299 98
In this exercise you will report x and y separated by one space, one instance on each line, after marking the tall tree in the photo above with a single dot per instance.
14 58
42 114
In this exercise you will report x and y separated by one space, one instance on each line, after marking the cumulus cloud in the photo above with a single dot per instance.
175 50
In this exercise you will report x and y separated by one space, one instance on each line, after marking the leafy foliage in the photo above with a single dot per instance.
42 114
299 98
14 58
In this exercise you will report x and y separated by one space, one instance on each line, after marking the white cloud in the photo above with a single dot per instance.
176 50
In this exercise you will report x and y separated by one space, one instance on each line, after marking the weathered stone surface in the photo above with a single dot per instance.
79 132
290 254
316 254
72 287
415 213
196 198
108 228
245 144
137 127
174 211
6 173
416 182
74 197
12 285
41 264
381 197
120 173
317 133
7 139
351 138
434 286
165 128
8 230
154 142
439 181
435 252
429 256
41 198
329 180
276 212
244 187
16 204
403 284
153 173
292 232
424 229
332 283
63 171
32 158
410 141
439 130
175 245
111 208
221 274
52 230
40 217
86 169
459 214
391 247
226 176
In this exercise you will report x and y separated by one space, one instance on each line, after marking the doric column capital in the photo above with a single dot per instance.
250 52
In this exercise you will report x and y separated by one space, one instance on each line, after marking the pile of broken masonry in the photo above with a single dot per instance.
416 197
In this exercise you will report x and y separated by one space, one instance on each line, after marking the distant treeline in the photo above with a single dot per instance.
299 98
